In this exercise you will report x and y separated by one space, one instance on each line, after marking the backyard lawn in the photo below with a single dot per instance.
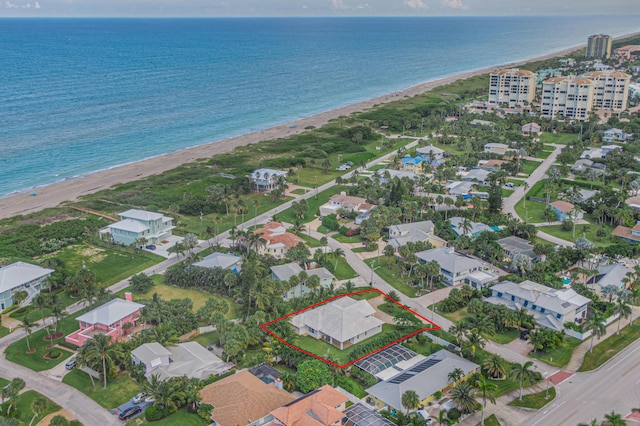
300 191
392 276
314 204
343 271
610 346
205 338
535 400
559 357
117 392
23 407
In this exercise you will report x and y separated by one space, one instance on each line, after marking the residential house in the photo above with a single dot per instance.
491 165
496 148
400 235
550 307
140 224
340 322
21 276
485 123
360 415
110 319
456 268
243 399
616 135
226 261
609 275
631 235
566 211
598 153
288 270
584 164
627 52
480 107
322 407
267 179
267 374
189 359
513 246
381 176
633 202
459 188
479 176
411 164
430 152
531 129
346 202
476 228
278 240
427 378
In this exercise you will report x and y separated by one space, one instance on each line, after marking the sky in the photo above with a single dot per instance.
228 8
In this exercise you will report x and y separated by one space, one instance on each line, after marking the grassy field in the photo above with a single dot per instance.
343 271
310 241
535 400
117 392
324 349
314 204
587 231
109 265
610 347
492 420
392 276
559 357
559 138
344 239
23 405
198 297
205 338
529 166
534 211
181 417
543 154
505 337
300 191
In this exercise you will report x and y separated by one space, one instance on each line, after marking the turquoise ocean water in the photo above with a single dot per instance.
81 95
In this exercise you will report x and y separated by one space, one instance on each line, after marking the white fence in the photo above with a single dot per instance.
588 333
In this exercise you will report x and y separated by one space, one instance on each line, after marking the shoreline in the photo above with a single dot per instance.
70 189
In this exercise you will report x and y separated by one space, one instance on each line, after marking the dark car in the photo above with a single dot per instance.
524 334
150 247
130 412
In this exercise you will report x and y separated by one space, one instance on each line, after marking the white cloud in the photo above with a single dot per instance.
415 4
10 5
454 4
339 4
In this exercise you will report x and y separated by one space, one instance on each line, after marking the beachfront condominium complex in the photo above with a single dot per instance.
611 89
514 87
567 97
599 46
575 97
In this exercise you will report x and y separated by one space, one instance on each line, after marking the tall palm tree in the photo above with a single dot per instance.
27 325
522 372
487 390
15 387
462 397
410 400
494 366
623 308
613 419
597 327
99 350
164 334
165 392
38 406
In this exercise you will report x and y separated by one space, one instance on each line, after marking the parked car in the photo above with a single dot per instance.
139 398
423 413
150 247
130 412
150 398
349 163
524 334
341 168
71 364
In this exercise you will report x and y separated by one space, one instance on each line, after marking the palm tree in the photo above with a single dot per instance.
99 350
15 387
164 334
597 327
337 254
165 392
613 419
38 406
522 372
487 390
410 400
494 366
462 397
27 325
455 375
623 308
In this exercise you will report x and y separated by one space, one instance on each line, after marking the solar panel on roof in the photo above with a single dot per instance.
424 365
566 304
401 378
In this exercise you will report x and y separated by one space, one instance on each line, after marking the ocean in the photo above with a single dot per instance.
82 95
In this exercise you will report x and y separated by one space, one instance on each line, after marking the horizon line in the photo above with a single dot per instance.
315 16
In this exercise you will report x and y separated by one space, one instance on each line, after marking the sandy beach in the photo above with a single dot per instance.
71 189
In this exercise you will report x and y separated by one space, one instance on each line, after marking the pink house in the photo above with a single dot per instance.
107 319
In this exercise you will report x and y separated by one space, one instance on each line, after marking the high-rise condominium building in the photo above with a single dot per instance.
611 89
514 87
599 46
569 97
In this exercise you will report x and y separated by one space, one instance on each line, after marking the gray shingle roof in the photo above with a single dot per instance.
191 359
19 273
218 260
515 244
150 351
110 312
449 260
612 274
476 227
561 301
286 271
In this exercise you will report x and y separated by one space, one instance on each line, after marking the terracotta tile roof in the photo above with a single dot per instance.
242 398
286 239
624 232
563 206
494 163
315 409
347 200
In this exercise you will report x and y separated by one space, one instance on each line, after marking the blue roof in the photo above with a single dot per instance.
410 160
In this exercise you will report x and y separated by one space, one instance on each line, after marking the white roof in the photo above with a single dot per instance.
19 273
342 319
286 271
218 260
426 149
142 215
449 260
130 225
560 301
148 352
259 174
191 359
111 312
495 145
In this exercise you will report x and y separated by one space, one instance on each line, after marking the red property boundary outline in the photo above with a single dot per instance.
264 327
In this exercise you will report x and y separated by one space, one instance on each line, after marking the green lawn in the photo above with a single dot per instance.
109 265
529 166
533 210
17 351
559 138
535 400
610 346
515 182
314 204
4 331
459 315
543 154
311 242
23 405
181 417
118 391
344 239
393 276
548 147
364 249
506 192
205 338
300 191
505 337
559 357
492 420
587 231
343 271
324 349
